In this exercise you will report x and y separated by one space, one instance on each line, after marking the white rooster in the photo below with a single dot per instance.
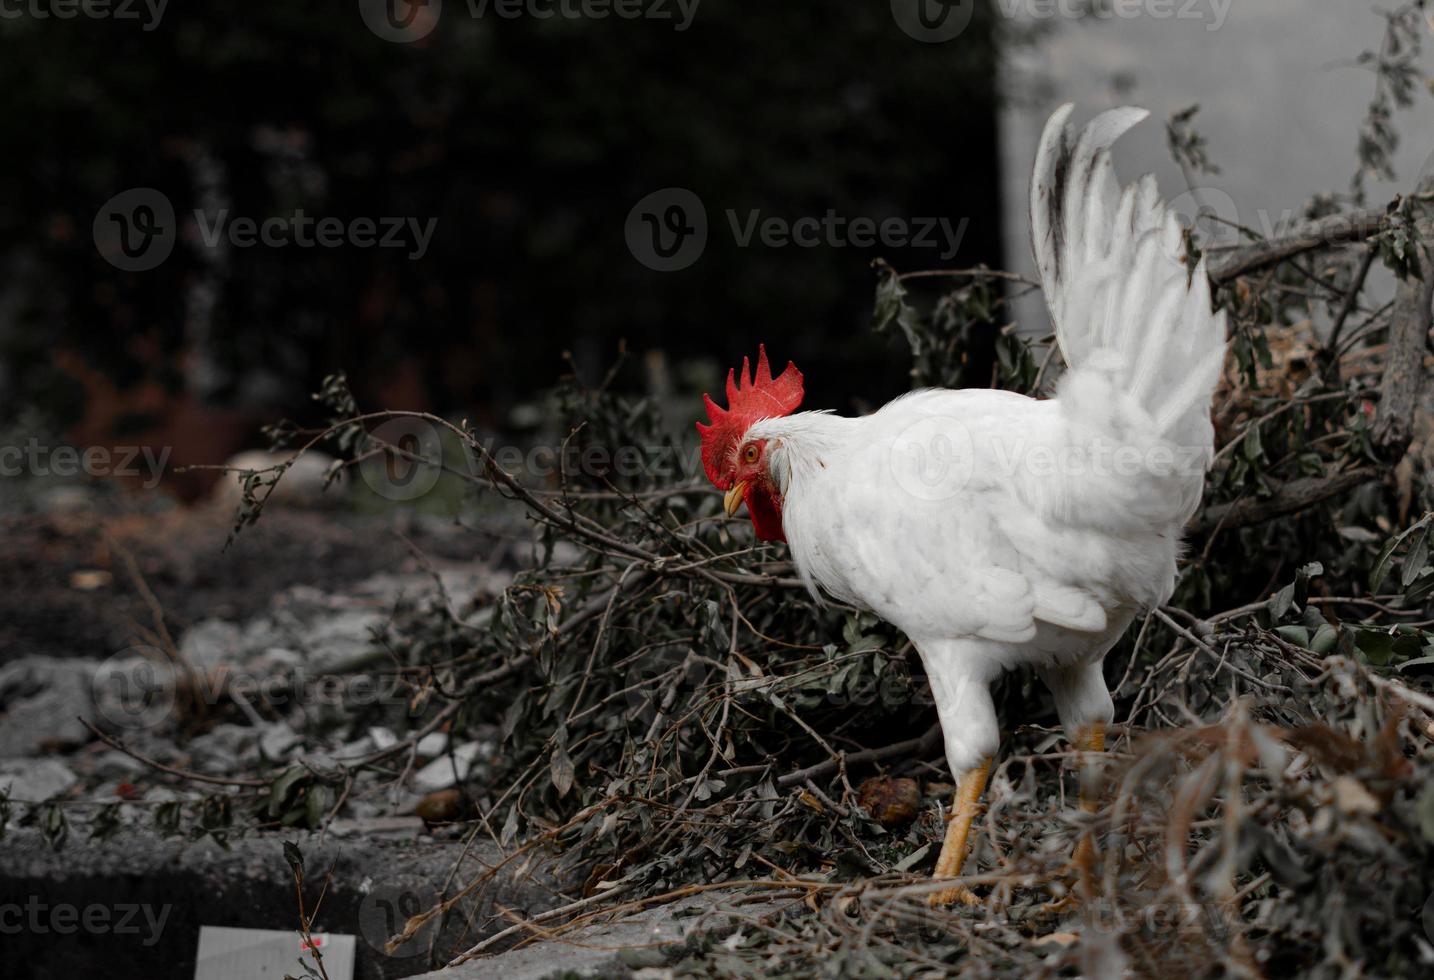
994 529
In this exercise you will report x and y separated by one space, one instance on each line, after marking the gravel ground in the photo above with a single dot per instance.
65 590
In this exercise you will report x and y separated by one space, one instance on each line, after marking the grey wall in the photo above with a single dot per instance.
1281 101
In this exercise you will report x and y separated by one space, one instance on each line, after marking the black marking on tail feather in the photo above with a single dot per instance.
1056 201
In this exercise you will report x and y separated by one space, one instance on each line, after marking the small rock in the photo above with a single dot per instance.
221 748
356 749
384 738
66 500
115 764
211 643
90 579
261 633
343 639
41 702
35 779
444 771
322 761
276 741
377 827
891 802
272 661
432 744
361 809
1351 796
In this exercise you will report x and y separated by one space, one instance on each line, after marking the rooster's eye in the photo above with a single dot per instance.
750 454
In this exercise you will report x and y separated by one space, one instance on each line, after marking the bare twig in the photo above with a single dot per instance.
197 777
1338 229
912 746
1408 335
1293 497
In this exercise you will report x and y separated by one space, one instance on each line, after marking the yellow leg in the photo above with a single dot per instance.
969 787
1083 860
1092 740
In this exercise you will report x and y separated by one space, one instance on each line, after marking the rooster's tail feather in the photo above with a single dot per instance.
1117 280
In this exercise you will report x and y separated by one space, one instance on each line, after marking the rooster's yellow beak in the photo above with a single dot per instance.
733 500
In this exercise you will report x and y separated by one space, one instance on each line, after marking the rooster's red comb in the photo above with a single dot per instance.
762 397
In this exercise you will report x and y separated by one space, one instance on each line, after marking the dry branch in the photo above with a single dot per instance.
1408 334
1291 498
913 747
1336 229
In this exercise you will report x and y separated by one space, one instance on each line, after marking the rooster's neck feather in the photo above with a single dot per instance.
798 445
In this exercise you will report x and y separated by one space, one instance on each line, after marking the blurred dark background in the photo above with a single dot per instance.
529 140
